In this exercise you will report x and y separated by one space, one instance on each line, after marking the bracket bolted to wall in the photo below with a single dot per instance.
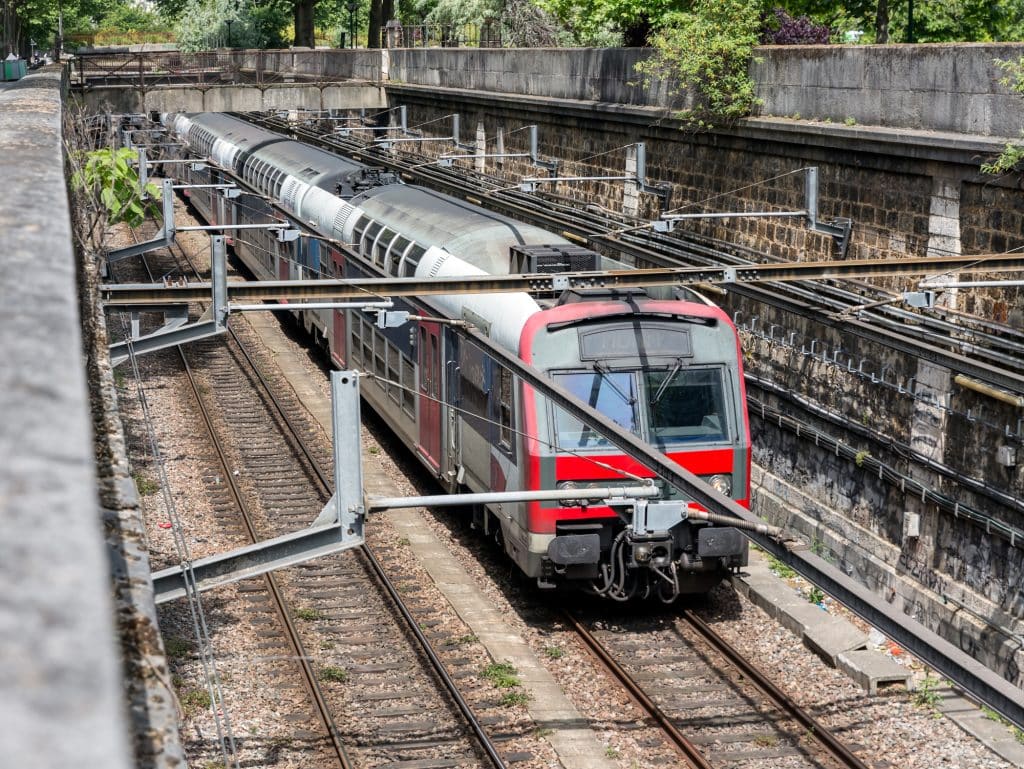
530 184
176 330
338 527
839 228
446 161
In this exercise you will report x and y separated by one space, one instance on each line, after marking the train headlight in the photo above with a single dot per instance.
568 486
721 483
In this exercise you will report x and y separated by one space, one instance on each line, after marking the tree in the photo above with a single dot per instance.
612 22
206 24
705 53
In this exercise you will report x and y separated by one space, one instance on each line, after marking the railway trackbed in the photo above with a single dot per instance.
712 704
368 660
353 676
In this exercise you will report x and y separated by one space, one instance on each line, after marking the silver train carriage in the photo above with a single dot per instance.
665 364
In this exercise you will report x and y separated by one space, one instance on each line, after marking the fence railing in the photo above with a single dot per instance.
396 35
154 68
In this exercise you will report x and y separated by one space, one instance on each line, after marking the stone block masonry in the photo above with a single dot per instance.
909 192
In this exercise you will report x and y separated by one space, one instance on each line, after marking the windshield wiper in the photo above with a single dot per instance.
671 375
605 372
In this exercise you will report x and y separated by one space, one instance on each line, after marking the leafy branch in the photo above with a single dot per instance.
108 176
1013 154
706 53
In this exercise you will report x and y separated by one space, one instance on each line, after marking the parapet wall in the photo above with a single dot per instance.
949 88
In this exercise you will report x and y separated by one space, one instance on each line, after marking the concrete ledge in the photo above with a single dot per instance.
869 669
61 702
833 638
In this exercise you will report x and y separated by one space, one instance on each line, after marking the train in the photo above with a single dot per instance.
664 363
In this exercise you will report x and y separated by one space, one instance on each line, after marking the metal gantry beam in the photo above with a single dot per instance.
251 291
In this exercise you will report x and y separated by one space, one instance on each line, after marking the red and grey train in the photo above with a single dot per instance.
665 364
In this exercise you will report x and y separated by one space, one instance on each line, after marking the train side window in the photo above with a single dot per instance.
372 231
412 259
505 410
380 358
355 349
409 383
396 248
380 244
425 368
394 373
367 344
359 229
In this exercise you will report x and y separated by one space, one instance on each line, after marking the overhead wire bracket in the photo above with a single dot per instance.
338 527
839 228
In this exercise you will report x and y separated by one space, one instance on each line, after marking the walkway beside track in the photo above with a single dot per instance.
62 685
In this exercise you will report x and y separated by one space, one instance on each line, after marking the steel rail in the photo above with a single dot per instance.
323 482
783 701
679 741
308 675
309 678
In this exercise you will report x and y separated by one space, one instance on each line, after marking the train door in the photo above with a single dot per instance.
429 352
453 454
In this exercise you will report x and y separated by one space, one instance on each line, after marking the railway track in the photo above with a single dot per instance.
335 636
712 704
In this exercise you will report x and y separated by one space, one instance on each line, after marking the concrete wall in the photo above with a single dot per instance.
235 98
61 699
934 87
938 87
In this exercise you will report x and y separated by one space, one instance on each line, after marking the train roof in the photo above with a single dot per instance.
475 235
309 164
243 135
251 144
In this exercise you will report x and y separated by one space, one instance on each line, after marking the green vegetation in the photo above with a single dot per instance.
108 178
333 673
779 568
611 752
1013 155
850 121
991 715
501 674
554 652
177 647
815 595
860 456
194 701
146 486
927 692
308 614
514 698
462 640
706 52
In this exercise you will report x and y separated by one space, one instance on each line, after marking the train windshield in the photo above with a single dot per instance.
686 405
665 407
613 393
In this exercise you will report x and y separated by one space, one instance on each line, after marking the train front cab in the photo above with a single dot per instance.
670 372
